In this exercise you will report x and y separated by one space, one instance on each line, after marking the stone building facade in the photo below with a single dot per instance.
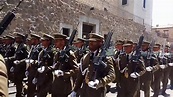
54 16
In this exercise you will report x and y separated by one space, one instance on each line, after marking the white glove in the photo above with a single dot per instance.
26 73
149 68
134 75
41 69
34 81
5 58
16 62
12 69
73 94
29 61
170 64
59 73
93 84
162 66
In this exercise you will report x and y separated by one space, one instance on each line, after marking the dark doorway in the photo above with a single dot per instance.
87 28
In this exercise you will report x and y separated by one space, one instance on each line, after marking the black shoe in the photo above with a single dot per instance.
171 87
165 94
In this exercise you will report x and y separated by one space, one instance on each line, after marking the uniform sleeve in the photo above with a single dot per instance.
4 79
110 74
74 67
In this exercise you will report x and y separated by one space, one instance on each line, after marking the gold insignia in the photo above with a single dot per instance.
126 74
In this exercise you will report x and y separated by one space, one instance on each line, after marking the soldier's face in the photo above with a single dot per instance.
79 44
18 39
166 50
94 45
8 41
45 43
119 46
59 43
144 47
128 49
156 49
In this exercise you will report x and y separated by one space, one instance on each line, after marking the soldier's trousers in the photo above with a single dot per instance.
145 83
171 77
19 86
127 87
165 77
156 83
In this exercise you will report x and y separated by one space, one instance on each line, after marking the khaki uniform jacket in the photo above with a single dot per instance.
104 75
63 85
3 79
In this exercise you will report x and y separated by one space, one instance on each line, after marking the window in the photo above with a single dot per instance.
144 3
66 31
124 2
165 33
87 28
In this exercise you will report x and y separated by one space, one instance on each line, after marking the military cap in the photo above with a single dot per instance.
128 42
47 37
146 42
167 46
9 37
157 45
19 35
35 36
119 42
59 36
95 37
79 40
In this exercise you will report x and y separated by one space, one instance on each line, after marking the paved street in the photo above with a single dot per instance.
113 92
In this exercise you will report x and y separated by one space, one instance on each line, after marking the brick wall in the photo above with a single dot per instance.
46 15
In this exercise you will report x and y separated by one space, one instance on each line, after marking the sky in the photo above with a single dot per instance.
162 12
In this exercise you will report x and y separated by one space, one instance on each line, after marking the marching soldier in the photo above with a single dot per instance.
21 54
32 63
157 74
10 51
65 68
130 72
81 46
4 78
93 81
171 72
45 59
118 51
150 62
166 71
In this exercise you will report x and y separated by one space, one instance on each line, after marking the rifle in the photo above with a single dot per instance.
150 49
64 53
98 60
136 57
8 18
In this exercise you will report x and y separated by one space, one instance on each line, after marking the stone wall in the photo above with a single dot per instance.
40 16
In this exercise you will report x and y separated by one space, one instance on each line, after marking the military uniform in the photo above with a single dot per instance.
10 51
4 78
146 79
171 73
88 74
157 75
32 61
19 68
127 84
79 52
166 72
68 65
44 77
